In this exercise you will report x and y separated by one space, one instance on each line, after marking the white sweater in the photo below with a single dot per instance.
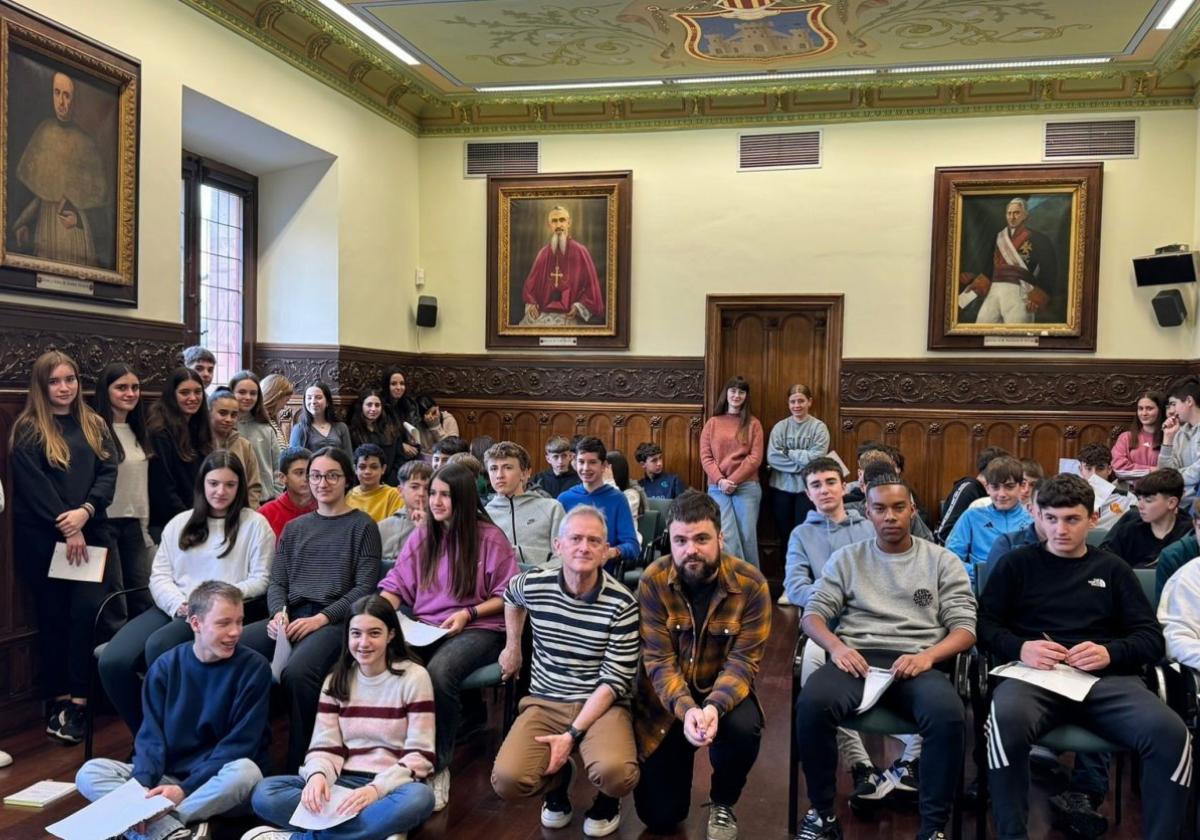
247 566
1179 614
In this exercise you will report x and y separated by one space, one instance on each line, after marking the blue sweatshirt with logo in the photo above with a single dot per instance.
978 528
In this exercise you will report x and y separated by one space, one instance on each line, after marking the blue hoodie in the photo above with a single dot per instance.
978 528
622 533
810 545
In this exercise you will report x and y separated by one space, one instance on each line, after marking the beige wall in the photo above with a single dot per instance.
859 225
376 200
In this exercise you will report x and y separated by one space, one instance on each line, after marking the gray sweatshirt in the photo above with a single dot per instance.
1183 454
810 546
900 602
790 447
530 521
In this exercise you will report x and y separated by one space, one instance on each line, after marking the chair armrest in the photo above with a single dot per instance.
120 593
798 655
1177 686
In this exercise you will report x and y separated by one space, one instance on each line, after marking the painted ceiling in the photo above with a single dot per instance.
654 64
473 43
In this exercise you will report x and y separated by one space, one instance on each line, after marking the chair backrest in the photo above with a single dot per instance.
660 505
982 570
1096 536
648 527
1146 577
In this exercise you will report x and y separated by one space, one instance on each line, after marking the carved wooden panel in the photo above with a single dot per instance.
154 348
940 446
676 428
976 383
674 380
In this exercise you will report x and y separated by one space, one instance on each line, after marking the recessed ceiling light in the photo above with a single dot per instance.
763 77
370 31
997 65
1173 13
568 86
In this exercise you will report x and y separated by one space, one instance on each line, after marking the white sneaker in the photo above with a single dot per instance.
441 789
5 759
402 836
267 832
783 600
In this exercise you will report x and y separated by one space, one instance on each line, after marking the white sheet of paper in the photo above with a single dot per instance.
111 815
878 680
966 298
838 458
1068 465
1102 488
1061 679
90 572
328 818
283 652
418 633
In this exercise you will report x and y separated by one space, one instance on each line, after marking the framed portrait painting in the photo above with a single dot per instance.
68 163
1015 257
558 260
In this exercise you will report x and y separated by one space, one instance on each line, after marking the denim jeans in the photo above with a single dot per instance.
739 519
450 661
227 791
403 809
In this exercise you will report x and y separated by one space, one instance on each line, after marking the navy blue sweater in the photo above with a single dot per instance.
199 716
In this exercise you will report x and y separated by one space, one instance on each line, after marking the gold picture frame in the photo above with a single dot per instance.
569 291
1015 257
69 133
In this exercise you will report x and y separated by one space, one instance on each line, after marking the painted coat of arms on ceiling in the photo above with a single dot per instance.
756 30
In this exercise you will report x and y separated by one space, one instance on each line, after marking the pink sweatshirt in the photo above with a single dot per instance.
723 456
497 564
1125 456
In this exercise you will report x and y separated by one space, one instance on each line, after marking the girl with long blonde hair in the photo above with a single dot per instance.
64 468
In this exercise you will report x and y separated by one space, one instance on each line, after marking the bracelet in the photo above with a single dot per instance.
88 508
575 734
473 612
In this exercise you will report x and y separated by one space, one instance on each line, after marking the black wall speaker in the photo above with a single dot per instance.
426 311
1165 269
1169 310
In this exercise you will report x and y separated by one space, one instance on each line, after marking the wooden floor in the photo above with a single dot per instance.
476 812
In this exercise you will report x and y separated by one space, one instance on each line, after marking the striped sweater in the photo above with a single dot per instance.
386 729
329 561
578 643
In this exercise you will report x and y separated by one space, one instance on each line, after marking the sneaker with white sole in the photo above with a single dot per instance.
906 779
267 832
403 836
198 831
603 818
556 807
871 792
440 783
722 824
784 600
816 827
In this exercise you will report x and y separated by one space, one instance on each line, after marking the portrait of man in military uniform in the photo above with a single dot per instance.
1014 259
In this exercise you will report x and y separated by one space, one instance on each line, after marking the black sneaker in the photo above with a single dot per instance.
1073 814
603 818
67 726
199 831
905 778
816 827
556 807
870 793
932 835
861 773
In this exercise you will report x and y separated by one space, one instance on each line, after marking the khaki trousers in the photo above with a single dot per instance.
608 750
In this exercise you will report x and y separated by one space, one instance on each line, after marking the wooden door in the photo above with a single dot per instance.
775 341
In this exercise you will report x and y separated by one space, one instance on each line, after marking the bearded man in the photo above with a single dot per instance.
705 619
562 288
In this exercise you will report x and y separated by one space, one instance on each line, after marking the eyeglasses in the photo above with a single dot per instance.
329 477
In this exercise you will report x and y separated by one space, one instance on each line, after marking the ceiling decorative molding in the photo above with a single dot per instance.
484 41
640 379
974 383
153 348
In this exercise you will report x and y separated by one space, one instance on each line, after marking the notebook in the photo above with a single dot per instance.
40 794
90 572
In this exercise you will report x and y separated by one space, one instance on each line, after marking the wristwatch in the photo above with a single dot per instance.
575 734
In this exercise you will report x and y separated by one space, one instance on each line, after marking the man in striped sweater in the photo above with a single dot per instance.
585 650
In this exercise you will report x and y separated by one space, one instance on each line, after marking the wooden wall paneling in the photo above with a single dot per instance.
953 439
